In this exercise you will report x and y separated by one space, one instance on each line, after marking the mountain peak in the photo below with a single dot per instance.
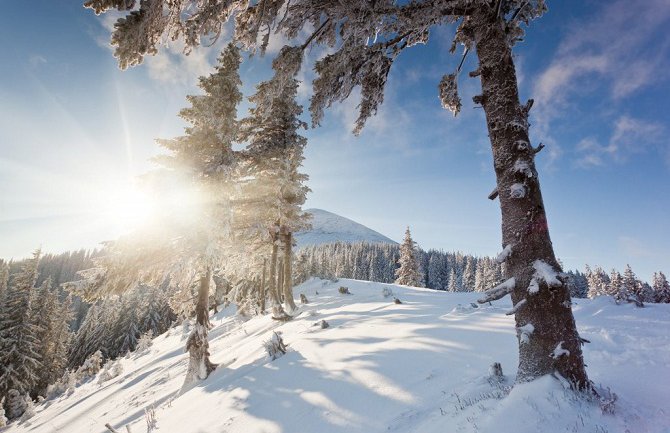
328 227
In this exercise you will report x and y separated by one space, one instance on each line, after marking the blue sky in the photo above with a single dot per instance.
75 130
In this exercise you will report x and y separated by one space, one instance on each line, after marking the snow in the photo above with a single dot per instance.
546 273
420 366
517 190
328 227
502 289
525 331
559 351
504 254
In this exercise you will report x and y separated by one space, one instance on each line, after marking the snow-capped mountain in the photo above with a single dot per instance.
328 227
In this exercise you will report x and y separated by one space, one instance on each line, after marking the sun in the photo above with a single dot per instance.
127 207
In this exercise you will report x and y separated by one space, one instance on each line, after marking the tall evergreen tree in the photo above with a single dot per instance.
274 156
19 336
194 234
661 288
408 272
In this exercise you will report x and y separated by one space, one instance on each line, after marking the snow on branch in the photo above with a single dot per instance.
525 331
559 351
499 291
517 190
517 307
449 98
504 254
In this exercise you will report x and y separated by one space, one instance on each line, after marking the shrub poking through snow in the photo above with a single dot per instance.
90 367
150 418
303 299
111 370
29 410
344 290
16 404
322 323
275 346
144 343
386 292
397 301
495 371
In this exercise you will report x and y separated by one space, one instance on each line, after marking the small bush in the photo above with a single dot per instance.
322 324
145 342
397 301
275 346
303 299
111 370
344 290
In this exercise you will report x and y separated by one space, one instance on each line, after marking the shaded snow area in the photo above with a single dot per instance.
328 227
419 366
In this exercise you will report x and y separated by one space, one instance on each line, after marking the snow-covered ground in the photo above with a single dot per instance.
328 227
419 366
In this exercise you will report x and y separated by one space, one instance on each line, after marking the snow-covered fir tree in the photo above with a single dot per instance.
598 282
453 282
661 288
408 270
274 155
616 288
19 336
192 238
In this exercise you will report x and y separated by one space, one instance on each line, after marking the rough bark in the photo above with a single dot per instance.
288 280
524 221
262 291
197 345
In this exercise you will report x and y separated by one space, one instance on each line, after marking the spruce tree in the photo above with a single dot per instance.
661 288
19 336
274 155
408 272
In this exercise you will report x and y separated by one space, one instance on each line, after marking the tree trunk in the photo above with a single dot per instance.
277 309
552 343
197 345
262 291
280 281
288 278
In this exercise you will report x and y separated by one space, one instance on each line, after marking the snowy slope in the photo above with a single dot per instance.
419 366
328 227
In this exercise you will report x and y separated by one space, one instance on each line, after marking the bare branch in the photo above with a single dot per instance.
516 307
494 194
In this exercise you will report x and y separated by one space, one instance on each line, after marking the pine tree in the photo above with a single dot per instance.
661 288
274 155
469 275
598 282
616 287
629 285
453 282
408 272
19 337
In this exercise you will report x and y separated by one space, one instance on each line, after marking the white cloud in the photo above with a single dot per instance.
629 136
623 49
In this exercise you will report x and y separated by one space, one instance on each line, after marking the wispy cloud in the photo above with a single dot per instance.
612 51
629 136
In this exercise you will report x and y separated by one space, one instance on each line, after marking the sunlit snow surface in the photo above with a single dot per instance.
419 366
